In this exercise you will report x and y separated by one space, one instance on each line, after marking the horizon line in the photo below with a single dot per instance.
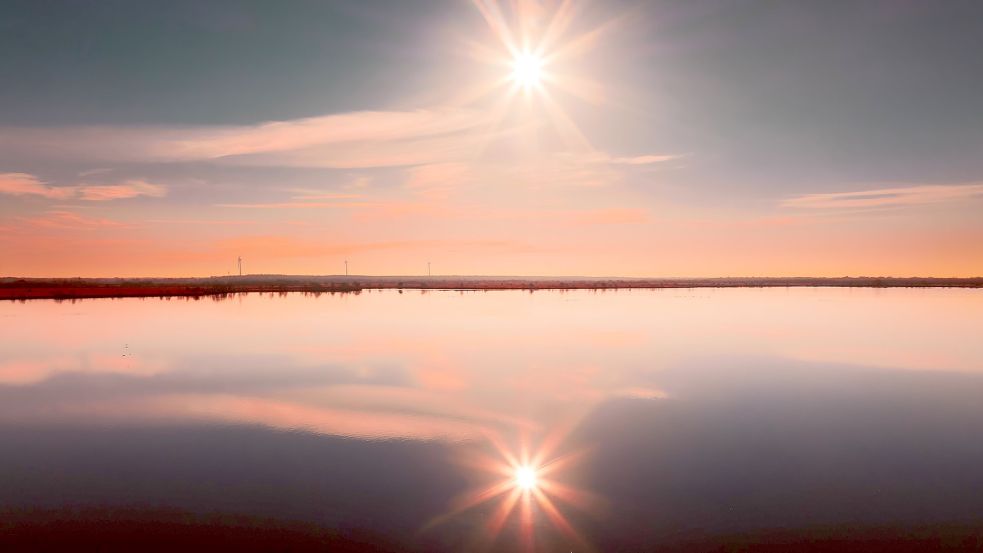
490 276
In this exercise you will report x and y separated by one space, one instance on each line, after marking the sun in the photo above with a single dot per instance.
526 488
527 70
538 55
525 478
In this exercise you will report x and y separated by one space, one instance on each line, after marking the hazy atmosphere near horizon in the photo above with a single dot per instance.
710 138
491 276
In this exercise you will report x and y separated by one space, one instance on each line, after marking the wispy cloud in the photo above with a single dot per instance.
314 195
305 198
299 134
886 197
300 204
355 139
97 171
438 138
58 219
23 184
126 189
436 180
20 372
644 160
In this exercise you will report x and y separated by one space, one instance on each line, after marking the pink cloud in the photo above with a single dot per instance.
885 197
638 392
127 189
327 196
298 205
21 184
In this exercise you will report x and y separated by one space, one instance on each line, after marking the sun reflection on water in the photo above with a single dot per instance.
526 489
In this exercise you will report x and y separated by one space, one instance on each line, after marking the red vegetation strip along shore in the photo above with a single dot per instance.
39 288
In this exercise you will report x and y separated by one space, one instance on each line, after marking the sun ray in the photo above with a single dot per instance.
530 46
557 27
526 522
585 89
502 513
483 495
559 463
558 520
566 128
526 486
570 495
490 10
502 448
583 42
483 53
552 441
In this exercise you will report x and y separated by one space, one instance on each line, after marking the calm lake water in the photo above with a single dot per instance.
395 421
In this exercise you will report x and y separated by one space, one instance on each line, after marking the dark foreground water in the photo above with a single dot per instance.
646 420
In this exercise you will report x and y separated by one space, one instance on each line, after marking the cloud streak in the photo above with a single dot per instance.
346 140
645 160
886 197
126 189
69 220
22 372
437 139
24 184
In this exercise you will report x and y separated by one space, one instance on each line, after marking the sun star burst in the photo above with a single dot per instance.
538 54
527 486
527 70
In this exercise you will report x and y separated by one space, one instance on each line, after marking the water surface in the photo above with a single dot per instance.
390 420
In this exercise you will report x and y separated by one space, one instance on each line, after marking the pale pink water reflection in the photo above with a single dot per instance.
453 365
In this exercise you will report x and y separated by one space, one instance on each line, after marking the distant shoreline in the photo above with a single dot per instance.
12 288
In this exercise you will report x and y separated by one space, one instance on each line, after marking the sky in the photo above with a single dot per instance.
520 137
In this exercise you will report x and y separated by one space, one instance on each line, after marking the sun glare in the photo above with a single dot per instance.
527 70
527 487
537 62
525 478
